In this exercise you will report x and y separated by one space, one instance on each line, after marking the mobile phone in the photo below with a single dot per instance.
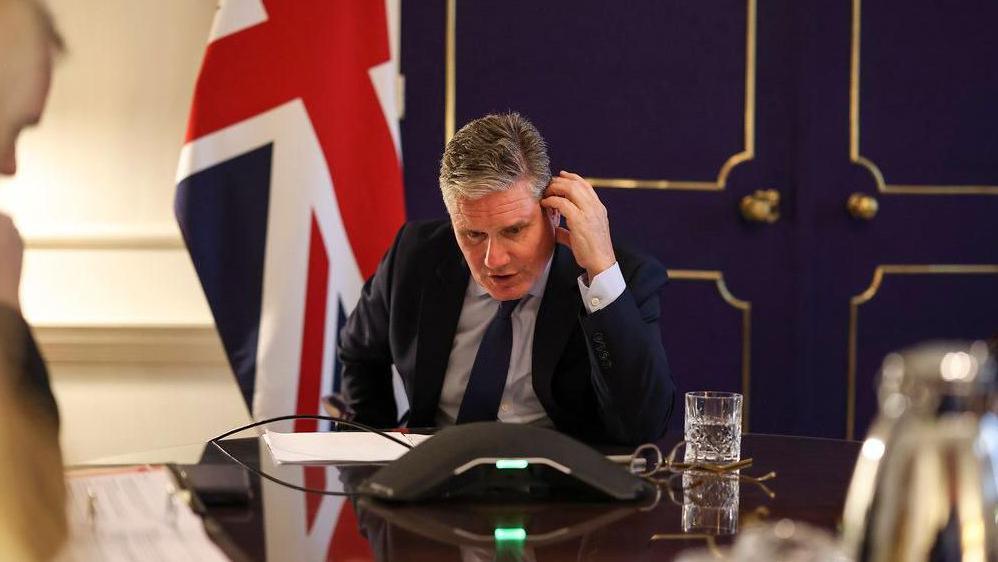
217 484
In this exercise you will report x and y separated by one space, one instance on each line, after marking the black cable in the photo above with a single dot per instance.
215 441
360 426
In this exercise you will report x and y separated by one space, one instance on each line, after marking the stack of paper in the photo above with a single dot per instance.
337 447
135 513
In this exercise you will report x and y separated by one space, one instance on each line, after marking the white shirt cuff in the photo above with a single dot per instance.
603 290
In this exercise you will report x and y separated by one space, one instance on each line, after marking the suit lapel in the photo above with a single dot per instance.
556 320
440 306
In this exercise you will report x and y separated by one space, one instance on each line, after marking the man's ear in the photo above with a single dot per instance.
554 216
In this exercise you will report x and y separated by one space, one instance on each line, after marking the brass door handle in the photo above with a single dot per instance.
862 206
761 206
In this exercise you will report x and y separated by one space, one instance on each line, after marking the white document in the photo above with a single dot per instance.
337 446
129 514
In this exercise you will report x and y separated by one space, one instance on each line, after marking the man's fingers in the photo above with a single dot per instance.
579 182
561 183
563 204
572 175
569 189
563 236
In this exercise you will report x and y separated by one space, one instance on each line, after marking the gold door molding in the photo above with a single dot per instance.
748 150
867 295
854 152
746 308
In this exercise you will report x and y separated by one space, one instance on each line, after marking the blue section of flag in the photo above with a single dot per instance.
222 213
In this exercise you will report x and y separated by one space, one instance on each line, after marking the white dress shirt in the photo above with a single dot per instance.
519 403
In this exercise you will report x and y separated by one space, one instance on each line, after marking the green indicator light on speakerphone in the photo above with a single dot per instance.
503 464
510 534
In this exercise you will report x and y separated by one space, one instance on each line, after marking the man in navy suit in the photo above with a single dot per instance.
500 313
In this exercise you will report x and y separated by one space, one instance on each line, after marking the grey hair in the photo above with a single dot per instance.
490 153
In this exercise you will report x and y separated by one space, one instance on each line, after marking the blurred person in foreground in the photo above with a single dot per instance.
499 313
32 492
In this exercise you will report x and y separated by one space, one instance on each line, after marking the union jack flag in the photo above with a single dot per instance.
289 190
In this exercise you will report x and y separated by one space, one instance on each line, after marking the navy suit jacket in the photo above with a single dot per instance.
601 377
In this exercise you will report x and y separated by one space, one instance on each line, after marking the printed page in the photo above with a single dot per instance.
128 514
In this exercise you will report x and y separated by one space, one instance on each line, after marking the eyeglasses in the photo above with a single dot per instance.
647 461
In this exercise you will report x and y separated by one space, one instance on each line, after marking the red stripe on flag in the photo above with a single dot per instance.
314 332
315 478
312 348
346 543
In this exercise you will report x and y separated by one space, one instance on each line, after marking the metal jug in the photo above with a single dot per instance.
925 486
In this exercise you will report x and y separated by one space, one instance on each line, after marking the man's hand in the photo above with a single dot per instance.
588 233
11 255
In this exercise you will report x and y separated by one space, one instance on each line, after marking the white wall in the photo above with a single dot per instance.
105 270
161 391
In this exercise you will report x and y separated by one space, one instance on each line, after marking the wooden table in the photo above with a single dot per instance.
284 524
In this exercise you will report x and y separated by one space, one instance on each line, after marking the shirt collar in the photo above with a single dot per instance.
536 290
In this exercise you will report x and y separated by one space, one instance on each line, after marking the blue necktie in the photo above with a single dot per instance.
488 375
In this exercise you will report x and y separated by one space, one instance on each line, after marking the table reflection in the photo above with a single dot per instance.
694 510
486 532
710 503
